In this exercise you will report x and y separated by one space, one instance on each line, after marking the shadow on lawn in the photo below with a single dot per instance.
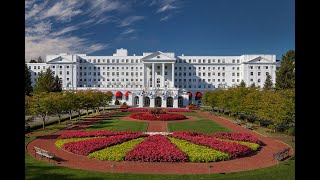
51 172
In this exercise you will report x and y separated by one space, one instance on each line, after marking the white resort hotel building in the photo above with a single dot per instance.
156 79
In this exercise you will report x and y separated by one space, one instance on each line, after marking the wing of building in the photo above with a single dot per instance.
156 79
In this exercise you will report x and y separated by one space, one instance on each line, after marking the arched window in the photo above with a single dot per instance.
136 101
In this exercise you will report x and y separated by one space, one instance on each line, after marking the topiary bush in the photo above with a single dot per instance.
117 102
124 103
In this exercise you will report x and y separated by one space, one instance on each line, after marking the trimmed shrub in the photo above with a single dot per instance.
116 102
124 103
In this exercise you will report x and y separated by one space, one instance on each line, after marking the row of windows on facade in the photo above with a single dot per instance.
137 86
140 61
205 61
137 68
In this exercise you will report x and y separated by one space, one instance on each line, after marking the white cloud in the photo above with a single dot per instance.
129 20
65 30
36 46
128 31
99 7
165 8
165 18
63 10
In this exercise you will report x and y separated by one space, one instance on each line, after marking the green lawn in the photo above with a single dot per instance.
193 114
117 125
205 126
35 169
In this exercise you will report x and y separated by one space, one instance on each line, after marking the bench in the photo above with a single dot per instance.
69 125
237 121
249 126
281 155
43 153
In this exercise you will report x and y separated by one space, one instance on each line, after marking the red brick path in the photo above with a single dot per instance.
261 159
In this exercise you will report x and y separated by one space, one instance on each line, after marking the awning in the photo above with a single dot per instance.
127 93
118 94
198 94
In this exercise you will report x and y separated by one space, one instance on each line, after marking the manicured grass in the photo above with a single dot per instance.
118 125
205 126
35 169
193 114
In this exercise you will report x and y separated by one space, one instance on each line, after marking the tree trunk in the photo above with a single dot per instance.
79 113
43 122
87 111
70 114
59 118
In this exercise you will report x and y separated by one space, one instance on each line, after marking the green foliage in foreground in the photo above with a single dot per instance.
117 152
251 145
198 153
204 126
119 125
59 143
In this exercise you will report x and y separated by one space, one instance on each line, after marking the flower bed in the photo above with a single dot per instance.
238 137
88 146
81 134
60 142
124 107
117 152
157 117
156 148
232 148
198 153
148 109
251 145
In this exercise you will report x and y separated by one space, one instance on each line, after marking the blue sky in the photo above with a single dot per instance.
190 27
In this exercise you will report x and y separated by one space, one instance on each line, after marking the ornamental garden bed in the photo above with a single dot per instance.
157 117
174 147
149 109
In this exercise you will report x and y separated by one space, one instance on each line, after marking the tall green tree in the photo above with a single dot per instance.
40 60
45 82
42 107
27 80
285 78
57 100
268 83
57 86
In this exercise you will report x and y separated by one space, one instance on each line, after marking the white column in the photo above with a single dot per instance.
175 102
152 104
140 101
172 78
164 102
130 99
162 84
153 76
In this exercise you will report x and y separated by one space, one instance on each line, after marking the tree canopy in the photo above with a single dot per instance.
285 78
46 82
27 80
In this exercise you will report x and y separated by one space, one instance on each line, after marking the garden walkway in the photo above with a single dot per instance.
261 159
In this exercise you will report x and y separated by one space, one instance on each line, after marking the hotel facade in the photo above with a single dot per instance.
156 79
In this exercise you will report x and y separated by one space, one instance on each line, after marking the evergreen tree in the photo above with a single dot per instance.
268 83
27 80
33 61
285 78
242 84
45 82
40 60
57 86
